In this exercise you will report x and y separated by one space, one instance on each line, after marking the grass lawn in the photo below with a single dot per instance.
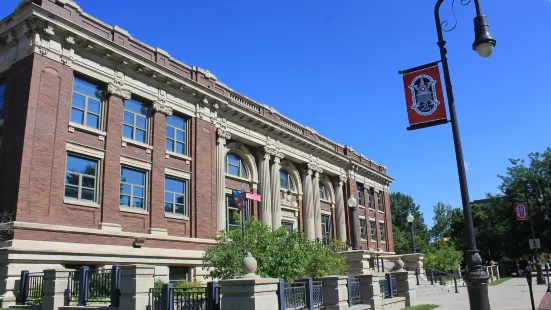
499 281
422 307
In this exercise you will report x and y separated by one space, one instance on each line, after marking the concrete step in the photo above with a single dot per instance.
360 307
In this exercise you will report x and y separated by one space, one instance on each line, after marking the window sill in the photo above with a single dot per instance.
383 241
177 155
361 207
132 210
371 209
381 211
178 217
87 129
238 178
362 239
136 143
81 203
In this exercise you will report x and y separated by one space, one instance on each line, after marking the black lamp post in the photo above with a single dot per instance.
476 277
410 219
539 279
352 203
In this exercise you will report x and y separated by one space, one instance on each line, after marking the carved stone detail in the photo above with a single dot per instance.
161 107
49 31
70 40
288 201
118 90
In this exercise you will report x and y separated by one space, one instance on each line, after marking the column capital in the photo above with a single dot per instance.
117 89
223 135
162 107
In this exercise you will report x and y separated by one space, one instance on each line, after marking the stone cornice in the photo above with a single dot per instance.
119 49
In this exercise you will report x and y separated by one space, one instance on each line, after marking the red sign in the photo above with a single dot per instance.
424 97
255 197
521 211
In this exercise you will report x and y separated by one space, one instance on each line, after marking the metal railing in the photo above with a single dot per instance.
388 286
295 295
317 296
441 277
31 288
353 291
99 286
173 298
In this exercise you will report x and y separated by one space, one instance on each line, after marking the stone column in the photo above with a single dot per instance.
308 205
157 210
265 191
335 292
250 293
221 151
317 205
276 194
55 290
370 291
405 282
136 282
339 207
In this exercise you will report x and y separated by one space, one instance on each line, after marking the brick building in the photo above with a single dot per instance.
114 152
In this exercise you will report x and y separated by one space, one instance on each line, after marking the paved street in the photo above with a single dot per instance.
512 294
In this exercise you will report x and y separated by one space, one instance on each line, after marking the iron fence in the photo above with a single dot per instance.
190 298
353 291
35 289
99 286
295 295
388 288
317 293
171 298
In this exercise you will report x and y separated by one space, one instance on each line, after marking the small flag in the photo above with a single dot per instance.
521 211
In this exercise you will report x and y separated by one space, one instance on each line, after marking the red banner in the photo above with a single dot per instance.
424 96
521 211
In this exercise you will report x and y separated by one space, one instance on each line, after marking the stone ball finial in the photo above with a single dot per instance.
249 265
398 265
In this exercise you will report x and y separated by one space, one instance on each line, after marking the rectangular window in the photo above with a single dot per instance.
2 96
370 198
287 225
175 196
360 192
231 211
135 121
132 188
382 231
81 178
362 229
176 134
326 228
372 231
86 104
380 201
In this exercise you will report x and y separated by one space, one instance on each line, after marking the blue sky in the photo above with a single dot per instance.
332 66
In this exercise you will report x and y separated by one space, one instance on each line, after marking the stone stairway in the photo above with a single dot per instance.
425 288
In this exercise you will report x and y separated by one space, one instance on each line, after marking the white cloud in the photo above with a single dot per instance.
467 165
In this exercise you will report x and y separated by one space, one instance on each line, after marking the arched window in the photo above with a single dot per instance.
286 182
324 195
235 166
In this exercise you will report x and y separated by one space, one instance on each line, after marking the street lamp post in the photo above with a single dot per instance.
539 278
476 277
352 202
410 219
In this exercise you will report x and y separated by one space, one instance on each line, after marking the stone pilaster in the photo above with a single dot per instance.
250 293
55 293
317 204
339 208
308 205
335 292
136 283
221 151
370 291
265 190
276 195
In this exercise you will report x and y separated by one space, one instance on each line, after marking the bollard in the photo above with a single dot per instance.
455 283
518 269
431 277
417 275
528 273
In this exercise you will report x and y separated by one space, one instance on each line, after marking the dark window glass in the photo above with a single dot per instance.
235 166
380 201
323 192
175 196
285 181
132 188
2 96
135 121
382 231
81 178
372 231
326 228
370 198
360 191
176 134
363 229
287 225
86 103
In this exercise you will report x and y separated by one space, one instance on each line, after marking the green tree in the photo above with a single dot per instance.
279 254
442 221
443 257
401 205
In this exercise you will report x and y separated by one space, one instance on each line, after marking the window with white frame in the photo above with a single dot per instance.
326 228
287 225
133 188
382 231
360 193
370 198
81 178
235 166
2 96
363 231
286 181
232 210
372 231
324 194
136 125
175 196
86 104
176 134
380 201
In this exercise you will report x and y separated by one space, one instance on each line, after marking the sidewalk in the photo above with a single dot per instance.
510 295
545 303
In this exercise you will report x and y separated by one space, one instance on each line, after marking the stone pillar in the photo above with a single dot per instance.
335 292
358 262
55 289
136 282
308 205
339 207
157 210
405 282
265 190
276 194
370 291
162 273
249 293
221 151
317 204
